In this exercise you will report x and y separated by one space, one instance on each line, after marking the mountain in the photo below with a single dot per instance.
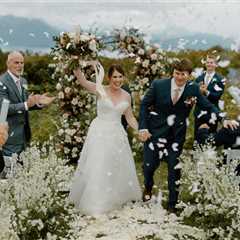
23 33
194 41
20 33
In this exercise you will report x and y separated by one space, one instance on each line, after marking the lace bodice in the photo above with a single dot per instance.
106 110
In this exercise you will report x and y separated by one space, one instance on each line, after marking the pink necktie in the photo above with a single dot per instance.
176 95
19 86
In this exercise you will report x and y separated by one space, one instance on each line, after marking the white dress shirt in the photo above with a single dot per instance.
174 87
208 77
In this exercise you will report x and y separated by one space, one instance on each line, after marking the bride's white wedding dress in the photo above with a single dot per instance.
105 177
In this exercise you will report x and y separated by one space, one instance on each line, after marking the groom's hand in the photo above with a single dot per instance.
144 135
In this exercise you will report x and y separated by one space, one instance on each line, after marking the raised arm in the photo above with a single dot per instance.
88 85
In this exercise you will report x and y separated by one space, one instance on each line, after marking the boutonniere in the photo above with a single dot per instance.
25 86
213 80
190 101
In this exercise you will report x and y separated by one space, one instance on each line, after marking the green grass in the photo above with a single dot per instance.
43 123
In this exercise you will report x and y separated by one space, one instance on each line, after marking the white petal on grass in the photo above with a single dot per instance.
171 119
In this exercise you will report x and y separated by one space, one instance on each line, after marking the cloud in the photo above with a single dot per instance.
217 17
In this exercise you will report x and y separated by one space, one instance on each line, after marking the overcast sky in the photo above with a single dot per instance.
220 17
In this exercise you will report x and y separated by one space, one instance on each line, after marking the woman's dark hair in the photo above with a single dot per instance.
115 67
183 65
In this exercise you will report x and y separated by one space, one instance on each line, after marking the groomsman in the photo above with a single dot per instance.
163 129
225 136
14 88
212 87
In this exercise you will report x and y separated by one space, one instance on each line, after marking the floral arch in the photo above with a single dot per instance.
77 106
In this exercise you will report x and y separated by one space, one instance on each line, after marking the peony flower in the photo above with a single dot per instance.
145 63
61 95
141 51
58 86
92 45
154 56
67 90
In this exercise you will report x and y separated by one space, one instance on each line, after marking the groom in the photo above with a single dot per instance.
163 128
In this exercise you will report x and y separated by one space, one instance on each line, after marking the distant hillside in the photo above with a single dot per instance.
191 41
24 33
36 35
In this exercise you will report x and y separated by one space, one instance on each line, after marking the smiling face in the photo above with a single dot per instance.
211 64
116 80
15 63
180 77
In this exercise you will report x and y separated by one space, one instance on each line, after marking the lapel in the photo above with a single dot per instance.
13 86
210 84
168 91
24 91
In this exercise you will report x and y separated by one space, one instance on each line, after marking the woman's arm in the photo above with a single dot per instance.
88 85
131 120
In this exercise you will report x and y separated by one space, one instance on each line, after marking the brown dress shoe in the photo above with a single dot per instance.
147 195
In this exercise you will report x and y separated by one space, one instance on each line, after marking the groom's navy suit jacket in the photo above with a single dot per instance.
215 88
159 97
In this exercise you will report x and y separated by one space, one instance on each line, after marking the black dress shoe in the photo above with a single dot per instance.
172 210
147 195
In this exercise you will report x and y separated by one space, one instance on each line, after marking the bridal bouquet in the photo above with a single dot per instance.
74 48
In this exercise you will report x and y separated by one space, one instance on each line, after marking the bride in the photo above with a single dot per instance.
106 177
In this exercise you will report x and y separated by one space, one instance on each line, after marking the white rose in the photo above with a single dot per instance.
60 132
92 45
145 63
74 101
61 95
154 56
58 86
67 90
84 38
141 51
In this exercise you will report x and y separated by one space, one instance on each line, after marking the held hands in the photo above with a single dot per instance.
233 124
37 99
144 135
44 99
